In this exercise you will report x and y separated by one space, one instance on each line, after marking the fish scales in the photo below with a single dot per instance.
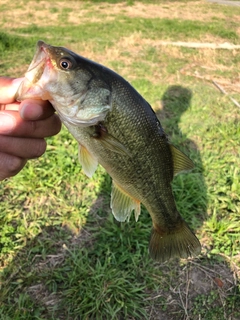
141 136
117 128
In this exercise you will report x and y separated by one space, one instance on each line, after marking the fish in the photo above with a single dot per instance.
118 129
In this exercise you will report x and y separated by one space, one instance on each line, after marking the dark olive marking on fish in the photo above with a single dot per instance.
100 131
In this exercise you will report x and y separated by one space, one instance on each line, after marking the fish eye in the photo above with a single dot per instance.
65 64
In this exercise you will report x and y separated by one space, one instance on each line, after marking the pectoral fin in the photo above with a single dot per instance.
108 141
114 145
122 204
88 161
180 161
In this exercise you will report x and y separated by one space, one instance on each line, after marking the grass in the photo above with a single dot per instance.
62 254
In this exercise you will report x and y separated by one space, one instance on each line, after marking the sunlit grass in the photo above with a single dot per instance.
62 254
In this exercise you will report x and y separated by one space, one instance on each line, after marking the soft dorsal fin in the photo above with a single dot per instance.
88 161
180 161
122 204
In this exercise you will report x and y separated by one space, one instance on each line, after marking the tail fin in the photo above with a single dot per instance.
181 243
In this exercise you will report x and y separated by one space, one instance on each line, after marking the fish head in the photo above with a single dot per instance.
64 78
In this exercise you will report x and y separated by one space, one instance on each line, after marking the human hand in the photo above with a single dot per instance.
23 127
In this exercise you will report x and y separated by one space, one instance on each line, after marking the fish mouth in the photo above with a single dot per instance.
37 75
35 69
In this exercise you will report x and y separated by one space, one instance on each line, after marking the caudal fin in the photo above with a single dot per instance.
181 243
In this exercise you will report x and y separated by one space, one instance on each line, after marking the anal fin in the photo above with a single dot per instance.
122 204
88 161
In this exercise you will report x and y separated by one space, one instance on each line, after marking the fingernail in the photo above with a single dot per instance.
7 123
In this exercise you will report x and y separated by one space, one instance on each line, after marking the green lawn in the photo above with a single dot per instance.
62 254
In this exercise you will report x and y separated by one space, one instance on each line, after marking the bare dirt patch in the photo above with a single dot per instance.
193 280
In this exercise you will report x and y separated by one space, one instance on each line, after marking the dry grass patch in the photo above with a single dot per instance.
47 13
171 10
33 12
201 63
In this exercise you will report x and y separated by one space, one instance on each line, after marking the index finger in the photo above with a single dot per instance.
10 106
8 89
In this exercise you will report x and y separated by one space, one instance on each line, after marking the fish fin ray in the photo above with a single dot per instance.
181 243
180 161
122 204
88 161
111 143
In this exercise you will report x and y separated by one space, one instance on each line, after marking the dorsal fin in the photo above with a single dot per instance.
122 204
180 161
88 161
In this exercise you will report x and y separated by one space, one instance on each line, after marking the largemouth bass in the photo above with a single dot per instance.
117 128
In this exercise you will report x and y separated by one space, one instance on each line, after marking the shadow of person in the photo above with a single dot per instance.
189 189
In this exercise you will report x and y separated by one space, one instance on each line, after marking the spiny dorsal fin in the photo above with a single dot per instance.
122 204
87 160
180 161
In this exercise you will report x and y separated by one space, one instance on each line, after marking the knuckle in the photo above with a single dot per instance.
45 128
14 165
57 124
53 125
39 148
34 127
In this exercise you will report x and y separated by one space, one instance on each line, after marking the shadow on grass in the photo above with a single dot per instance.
189 188
104 271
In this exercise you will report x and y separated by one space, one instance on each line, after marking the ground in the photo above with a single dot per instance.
62 254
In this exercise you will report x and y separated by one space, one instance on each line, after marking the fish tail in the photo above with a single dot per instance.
178 242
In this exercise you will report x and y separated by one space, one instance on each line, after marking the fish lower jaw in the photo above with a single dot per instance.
28 91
